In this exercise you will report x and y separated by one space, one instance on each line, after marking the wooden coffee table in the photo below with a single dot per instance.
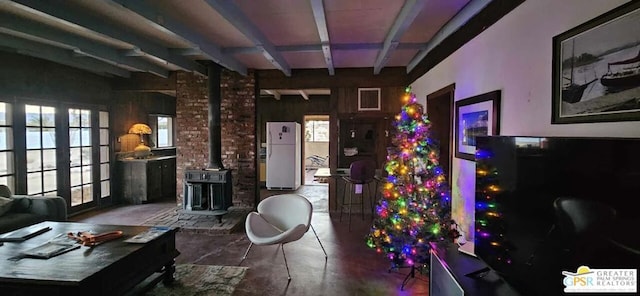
111 268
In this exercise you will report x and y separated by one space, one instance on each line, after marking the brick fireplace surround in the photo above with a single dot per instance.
238 130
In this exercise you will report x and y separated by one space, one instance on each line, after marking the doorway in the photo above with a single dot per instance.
316 150
439 111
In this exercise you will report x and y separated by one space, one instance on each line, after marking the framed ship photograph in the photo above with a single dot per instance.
476 116
596 69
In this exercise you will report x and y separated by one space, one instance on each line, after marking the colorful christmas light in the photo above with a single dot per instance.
415 208
489 226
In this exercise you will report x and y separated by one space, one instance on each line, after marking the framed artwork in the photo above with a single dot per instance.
368 99
596 69
476 116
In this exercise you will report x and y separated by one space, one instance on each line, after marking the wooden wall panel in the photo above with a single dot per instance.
23 77
290 108
146 82
392 99
135 107
390 102
347 100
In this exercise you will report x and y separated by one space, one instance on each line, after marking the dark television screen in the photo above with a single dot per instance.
517 180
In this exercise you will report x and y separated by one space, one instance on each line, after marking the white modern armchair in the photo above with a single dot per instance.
280 219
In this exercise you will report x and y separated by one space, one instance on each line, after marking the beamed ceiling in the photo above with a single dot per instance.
117 37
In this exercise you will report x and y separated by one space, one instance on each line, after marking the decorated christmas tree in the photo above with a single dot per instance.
415 208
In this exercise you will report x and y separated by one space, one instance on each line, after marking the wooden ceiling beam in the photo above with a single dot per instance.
60 56
58 9
90 48
408 13
179 30
239 20
321 23
274 93
304 95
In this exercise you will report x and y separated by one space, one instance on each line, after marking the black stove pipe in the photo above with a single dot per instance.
215 131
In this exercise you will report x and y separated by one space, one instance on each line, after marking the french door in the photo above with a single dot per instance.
67 153
89 158
56 149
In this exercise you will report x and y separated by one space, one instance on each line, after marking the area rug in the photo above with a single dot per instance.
202 280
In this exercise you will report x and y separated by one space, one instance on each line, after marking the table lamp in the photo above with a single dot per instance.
141 129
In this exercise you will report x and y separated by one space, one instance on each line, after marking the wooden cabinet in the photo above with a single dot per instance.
168 178
147 180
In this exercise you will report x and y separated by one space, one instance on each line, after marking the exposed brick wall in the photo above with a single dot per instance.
238 120
238 113
192 130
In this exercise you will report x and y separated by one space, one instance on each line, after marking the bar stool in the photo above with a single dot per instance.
361 172
379 178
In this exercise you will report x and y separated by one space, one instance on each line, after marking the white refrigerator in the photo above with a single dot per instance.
283 155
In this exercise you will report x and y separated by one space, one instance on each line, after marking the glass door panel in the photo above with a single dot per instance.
41 150
80 154
105 176
7 170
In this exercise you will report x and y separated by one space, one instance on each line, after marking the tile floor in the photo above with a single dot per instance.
351 269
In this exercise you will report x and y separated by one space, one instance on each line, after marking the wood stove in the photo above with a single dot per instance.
209 190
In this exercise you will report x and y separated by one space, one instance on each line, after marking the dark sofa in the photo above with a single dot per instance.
17 211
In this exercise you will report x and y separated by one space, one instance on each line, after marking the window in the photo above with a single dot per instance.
7 170
80 153
316 131
41 150
105 183
162 130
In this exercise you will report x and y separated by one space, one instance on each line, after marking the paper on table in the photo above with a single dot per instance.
50 249
148 235
23 234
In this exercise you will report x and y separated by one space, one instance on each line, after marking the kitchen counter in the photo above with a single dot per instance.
152 158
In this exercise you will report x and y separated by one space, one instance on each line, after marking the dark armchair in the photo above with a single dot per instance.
588 233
